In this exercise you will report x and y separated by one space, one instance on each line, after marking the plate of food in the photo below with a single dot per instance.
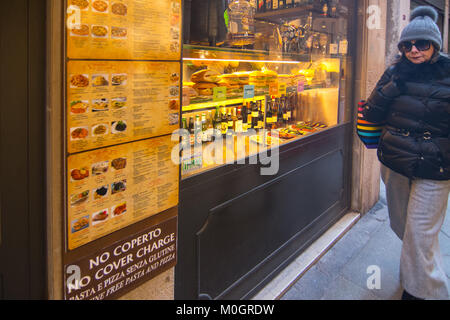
79 198
284 134
119 210
174 105
79 174
100 6
79 106
100 216
119 9
99 31
82 4
79 81
119 163
80 224
118 127
119 186
99 105
118 103
81 30
265 140
79 133
100 168
100 130
119 33
101 192
119 79
100 80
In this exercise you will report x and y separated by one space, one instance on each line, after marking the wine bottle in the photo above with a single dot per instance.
244 118
238 124
268 113
198 130
224 123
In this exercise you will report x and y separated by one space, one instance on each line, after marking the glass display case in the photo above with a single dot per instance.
273 78
266 138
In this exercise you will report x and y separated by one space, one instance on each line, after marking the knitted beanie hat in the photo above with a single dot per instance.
423 27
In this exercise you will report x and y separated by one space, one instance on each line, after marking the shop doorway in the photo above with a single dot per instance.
22 150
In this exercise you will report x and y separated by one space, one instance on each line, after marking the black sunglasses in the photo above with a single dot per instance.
421 45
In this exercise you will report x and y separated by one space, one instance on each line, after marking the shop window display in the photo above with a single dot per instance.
266 73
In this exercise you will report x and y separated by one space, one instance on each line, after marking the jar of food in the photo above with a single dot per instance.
242 23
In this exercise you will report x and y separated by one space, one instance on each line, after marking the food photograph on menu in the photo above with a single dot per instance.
124 29
111 188
111 102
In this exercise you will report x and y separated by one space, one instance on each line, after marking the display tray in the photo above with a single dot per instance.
241 148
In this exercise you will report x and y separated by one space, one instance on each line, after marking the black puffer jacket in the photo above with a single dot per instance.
414 100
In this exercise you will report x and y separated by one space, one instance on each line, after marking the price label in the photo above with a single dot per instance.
343 47
334 48
273 89
249 92
219 93
282 88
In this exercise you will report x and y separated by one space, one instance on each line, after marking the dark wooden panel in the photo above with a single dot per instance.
22 148
14 144
236 207
240 234
37 147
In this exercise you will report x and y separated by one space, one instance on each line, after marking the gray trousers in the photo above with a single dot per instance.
417 211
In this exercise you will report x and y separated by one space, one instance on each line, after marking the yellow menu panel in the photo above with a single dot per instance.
111 188
111 102
124 29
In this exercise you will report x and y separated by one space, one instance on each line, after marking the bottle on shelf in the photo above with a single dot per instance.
249 115
275 107
198 130
261 6
289 4
216 120
275 4
209 127
280 121
204 128
244 118
238 124
269 5
191 130
229 122
184 126
255 116
288 109
261 115
285 111
224 123
269 113
332 10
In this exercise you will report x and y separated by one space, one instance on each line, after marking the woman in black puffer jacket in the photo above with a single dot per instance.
413 98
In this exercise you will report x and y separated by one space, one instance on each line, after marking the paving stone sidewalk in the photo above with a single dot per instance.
342 273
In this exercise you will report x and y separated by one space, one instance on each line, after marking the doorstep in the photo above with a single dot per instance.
293 272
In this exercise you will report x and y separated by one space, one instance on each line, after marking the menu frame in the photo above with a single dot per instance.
75 254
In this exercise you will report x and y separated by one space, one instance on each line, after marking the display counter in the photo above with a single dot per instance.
265 141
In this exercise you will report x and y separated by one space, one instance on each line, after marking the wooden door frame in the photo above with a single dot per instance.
22 148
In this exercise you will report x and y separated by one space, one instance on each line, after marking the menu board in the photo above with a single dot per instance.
111 188
124 29
111 102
